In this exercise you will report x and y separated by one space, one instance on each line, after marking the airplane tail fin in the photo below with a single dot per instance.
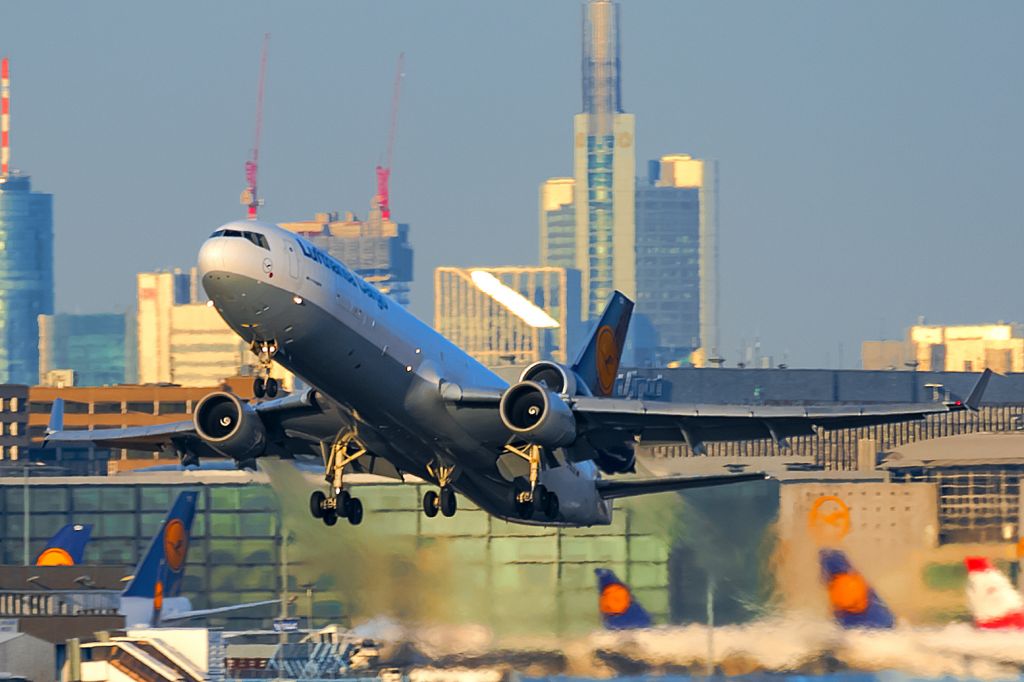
159 574
67 546
598 362
994 603
855 604
619 609
56 422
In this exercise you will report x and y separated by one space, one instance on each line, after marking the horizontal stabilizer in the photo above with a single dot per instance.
611 489
202 613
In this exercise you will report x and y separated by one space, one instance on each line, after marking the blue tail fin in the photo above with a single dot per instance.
67 546
598 362
854 603
161 570
619 609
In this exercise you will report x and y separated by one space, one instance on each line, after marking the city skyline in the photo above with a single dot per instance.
856 171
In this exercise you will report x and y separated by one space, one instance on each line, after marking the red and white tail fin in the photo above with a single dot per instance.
994 603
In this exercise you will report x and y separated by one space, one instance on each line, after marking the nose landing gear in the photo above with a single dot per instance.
338 502
264 384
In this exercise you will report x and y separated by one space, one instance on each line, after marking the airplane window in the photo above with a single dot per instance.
258 240
217 233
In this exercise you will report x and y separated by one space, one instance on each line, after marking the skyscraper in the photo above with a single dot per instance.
674 269
92 345
26 276
509 315
604 165
377 248
558 223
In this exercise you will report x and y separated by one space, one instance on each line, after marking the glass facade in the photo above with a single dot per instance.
26 276
471 568
667 274
92 345
559 248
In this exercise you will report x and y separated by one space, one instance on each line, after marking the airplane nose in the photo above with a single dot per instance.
211 256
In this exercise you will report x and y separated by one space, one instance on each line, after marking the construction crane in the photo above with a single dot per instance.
384 172
250 197
5 117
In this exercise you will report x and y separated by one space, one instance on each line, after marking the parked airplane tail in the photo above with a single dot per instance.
67 546
619 609
158 576
598 362
854 603
994 604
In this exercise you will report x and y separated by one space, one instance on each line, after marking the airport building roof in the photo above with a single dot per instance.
972 449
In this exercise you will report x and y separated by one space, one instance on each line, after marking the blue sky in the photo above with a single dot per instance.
869 151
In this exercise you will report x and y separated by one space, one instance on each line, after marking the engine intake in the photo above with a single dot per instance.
556 377
538 415
230 426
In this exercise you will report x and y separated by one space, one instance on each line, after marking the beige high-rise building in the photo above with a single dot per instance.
184 342
950 348
509 315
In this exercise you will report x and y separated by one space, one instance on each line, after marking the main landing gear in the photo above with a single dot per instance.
337 502
444 501
264 384
528 495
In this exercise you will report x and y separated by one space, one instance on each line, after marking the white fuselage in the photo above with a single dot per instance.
382 364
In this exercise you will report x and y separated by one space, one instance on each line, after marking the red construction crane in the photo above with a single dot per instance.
384 172
250 196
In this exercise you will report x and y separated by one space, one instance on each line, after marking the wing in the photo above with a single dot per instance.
605 421
293 421
613 488
200 613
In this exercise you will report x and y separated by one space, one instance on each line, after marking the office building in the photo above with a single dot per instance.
184 342
950 348
558 223
14 423
92 347
377 248
26 275
509 315
675 277
604 166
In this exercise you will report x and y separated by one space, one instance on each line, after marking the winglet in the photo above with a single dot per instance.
56 417
974 399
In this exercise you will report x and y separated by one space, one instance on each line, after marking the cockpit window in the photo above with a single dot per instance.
255 237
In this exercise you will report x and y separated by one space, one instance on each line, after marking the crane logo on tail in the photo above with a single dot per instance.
55 556
606 359
175 544
614 600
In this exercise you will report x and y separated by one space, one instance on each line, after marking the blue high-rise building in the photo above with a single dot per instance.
26 276
93 345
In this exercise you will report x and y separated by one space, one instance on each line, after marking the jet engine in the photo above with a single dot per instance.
230 426
558 378
538 415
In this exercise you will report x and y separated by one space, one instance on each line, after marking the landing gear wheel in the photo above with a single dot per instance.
431 504
449 503
330 517
524 509
344 501
271 387
259 387
354 511
316 504
549 503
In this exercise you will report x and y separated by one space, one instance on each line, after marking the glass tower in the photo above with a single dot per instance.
675 278
604 165
26 276
92 345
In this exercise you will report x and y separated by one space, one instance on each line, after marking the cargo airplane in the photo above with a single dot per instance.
389 395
